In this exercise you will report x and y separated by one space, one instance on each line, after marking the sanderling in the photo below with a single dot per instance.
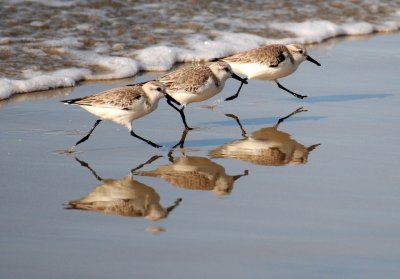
123 105
197 83
269 62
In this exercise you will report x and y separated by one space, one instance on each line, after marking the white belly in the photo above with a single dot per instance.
264 72
123 117
203 93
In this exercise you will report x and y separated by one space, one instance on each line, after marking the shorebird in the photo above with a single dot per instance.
122 105
197 83
269 62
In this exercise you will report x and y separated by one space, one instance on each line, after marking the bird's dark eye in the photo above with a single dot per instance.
226 69
158 88
301 51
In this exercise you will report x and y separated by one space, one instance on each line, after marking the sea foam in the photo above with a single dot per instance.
317 31
157 58
42 81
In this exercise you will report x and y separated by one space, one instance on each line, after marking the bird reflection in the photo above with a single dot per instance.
267 146
182 140
195 173
125 196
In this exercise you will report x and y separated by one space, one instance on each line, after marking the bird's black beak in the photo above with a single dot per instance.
169 97
243 80
313 61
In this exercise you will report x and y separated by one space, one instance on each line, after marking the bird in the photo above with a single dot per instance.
197 83
269 62
122 105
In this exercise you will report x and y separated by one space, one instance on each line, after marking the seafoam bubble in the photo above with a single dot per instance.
204 48
121 68
42 81
358 28
387 26
5 88
118 67
115 67
157 58
316 31
64 42
313 31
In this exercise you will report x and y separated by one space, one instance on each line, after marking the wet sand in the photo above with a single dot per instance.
315 197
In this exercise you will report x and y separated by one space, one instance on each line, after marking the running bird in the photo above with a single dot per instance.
269 62
197 83
122 105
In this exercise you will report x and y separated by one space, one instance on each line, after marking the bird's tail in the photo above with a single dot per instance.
141 83
71 101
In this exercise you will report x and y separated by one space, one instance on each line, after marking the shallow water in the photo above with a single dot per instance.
331 215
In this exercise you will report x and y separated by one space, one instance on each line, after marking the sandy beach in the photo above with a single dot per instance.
315 197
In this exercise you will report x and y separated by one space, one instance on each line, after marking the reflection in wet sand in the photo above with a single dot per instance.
267 146
195 173
124 196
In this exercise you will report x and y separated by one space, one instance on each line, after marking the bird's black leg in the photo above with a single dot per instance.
236 95
289 115
182 140
181 113
151 160
238 122
145 140
291 92
86 165
236 177
172 207
85 138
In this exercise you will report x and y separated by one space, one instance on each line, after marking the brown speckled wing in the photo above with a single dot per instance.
270 55
120 97
188 79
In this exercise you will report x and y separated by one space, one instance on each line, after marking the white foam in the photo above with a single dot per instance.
5 40
317 31
157 58
225 43
42 81
118 67
200 48
115 67
388 26
64 42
